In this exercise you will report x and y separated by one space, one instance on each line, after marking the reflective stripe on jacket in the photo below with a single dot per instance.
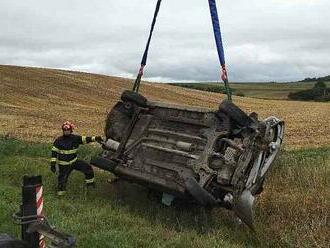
65 148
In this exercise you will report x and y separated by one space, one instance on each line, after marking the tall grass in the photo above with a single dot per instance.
291 212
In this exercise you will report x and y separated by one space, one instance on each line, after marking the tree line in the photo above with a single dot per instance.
319 92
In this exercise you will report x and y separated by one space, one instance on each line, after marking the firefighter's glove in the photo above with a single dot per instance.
53 167
98 139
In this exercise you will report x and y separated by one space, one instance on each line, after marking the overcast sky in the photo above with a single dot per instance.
274 40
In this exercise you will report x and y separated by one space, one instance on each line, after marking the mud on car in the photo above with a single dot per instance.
217 158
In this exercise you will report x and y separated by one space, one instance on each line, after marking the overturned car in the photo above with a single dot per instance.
217 158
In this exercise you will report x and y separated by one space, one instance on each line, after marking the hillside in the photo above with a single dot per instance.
275 91
34 102
324 79
292 211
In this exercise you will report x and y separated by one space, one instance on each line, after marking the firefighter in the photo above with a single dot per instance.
64 157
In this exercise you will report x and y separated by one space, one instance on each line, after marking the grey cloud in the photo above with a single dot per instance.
264 40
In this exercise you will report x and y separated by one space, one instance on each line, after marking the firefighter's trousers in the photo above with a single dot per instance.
65 171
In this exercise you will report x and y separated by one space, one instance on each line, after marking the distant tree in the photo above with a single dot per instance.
320 85
309 79
240 94
205 87
321 88
319 92
314 79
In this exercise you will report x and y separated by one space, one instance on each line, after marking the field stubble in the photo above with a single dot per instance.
34 102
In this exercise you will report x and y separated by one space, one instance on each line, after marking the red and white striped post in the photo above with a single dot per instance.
32 206
40 213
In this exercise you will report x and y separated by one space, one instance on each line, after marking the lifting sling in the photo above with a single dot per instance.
218 40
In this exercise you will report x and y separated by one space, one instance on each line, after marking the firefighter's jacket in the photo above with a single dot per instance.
65 148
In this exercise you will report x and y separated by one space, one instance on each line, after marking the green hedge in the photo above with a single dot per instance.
318 93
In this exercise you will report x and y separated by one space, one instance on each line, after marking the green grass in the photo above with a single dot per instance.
292 211
257 90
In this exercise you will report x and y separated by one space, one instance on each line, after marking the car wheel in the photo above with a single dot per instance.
135 97
116 122
235 113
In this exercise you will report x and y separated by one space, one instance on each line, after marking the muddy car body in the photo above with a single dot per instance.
215 157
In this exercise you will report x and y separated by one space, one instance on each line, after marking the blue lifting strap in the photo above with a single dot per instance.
218 40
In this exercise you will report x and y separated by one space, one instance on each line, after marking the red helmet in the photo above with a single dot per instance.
67 126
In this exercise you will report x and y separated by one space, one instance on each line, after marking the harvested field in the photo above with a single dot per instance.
291 212
34 102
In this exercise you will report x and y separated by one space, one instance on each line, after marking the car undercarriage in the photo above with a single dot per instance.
217 158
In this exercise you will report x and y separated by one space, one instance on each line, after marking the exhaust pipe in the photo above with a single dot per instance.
111 144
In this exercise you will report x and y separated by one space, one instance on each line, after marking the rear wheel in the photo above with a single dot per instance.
132 96
117 121
225 122
235 113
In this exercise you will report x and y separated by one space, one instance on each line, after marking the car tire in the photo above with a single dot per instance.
225 121
135 97
103 163
117 121
235 113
